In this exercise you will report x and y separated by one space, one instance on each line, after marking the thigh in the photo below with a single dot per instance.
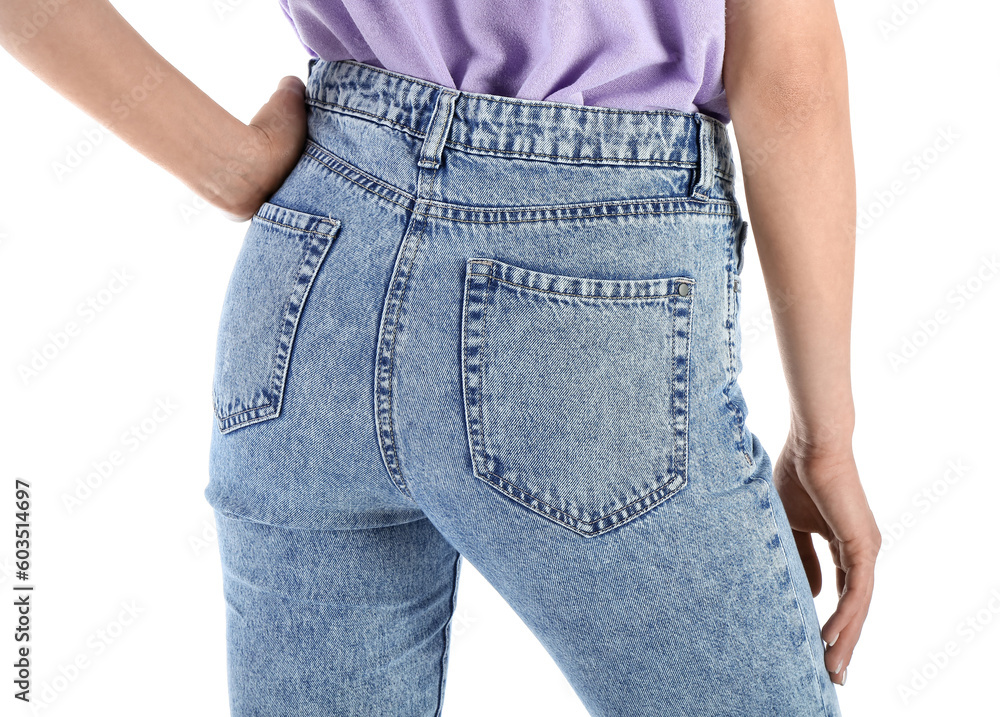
699 606
336 622
338 590
574 427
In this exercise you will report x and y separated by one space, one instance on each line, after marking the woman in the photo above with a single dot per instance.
488 307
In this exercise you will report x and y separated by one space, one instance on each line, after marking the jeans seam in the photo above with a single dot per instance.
798 603
390 352
445 639
726 208
386 353
739 425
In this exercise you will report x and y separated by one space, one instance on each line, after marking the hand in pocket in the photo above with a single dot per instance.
263 156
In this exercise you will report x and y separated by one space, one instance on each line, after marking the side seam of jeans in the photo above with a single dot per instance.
827 710
446 639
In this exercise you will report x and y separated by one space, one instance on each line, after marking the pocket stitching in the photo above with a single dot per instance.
595 297
477 433
320 243
282 355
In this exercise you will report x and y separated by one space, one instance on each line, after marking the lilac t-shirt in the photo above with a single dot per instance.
631 54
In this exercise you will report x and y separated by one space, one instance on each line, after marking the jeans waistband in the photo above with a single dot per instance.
529 129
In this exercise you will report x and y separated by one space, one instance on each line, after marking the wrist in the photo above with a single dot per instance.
225 171
828 430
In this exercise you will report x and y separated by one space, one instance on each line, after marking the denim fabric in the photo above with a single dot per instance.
506 331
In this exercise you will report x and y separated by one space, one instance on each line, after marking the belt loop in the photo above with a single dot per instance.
705 173
437 129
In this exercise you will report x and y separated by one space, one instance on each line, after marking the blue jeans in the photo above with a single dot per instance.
474 326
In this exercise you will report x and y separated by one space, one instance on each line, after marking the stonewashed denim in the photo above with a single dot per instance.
506 330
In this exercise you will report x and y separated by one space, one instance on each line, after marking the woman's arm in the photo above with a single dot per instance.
88 53
785 75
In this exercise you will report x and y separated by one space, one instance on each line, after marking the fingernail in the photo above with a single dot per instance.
839 665
843 680
831 642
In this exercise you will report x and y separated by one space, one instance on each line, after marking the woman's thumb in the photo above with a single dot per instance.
283 117
291 82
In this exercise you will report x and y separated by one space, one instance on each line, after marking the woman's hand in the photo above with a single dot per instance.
264 155
93 57
821 492
785 73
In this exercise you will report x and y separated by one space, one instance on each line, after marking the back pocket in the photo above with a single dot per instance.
270 281
576 390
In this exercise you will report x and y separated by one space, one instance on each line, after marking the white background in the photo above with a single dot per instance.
145 537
